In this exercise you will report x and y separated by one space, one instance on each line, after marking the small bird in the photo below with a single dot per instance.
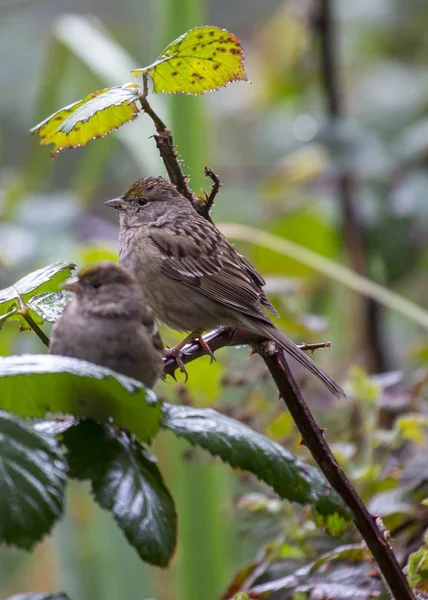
108 322
193 278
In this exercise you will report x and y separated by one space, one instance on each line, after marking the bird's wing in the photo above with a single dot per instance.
197 254
259 282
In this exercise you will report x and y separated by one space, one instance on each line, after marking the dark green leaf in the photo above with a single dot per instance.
56 384
245 449
125 481
32 483
40 290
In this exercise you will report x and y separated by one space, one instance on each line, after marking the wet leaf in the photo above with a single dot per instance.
68 386
94 116
40 290
243 448
126 481
203 59
32 483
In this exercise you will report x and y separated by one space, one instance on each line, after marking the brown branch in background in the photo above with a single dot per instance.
367 332
313 439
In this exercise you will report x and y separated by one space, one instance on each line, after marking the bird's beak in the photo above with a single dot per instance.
118 203
72 285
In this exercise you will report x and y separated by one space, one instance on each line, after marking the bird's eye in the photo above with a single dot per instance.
96 284
142 201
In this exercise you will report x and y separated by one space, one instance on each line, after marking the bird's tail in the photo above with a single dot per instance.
271 332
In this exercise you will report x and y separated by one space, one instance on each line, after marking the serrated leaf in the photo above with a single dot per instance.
49 307
32 483
35 596
57 384
243 448
203 59
40 290
125 481
94 116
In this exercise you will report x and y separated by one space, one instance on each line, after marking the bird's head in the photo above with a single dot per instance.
148 200
105 285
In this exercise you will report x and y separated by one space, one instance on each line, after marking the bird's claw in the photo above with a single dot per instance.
175 353
205 347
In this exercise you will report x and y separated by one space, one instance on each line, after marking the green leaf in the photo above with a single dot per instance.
32 483
35 596
57 384
245 449
203 59
126 482
94 116
40 290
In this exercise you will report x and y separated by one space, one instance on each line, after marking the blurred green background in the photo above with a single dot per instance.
350 184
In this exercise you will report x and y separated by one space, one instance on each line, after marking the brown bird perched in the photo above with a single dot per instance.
193 278
108 322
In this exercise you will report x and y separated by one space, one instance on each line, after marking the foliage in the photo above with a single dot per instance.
203 59
280 158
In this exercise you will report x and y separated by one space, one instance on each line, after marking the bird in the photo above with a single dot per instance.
193 278
108 322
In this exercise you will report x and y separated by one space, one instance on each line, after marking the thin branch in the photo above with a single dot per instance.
314 440
220 338
206 207
25 313
39 332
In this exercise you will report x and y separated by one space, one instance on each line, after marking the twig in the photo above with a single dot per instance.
314 440
220 338
205 209
367 332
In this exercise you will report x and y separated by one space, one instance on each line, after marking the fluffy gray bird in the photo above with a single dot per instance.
109 323
193 278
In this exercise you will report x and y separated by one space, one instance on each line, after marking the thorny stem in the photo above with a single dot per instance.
165 145
314 440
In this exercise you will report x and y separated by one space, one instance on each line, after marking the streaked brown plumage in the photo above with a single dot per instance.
193 278
108 322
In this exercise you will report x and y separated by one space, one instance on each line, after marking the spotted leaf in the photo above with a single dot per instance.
203 59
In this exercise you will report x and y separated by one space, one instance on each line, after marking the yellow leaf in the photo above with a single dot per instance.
95 116
203 59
